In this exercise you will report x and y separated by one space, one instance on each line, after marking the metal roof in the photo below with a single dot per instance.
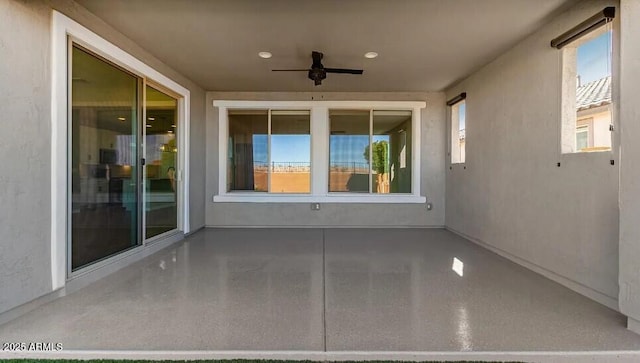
594 94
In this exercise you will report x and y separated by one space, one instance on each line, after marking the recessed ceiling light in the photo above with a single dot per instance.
121 118
370 55
151 118
265 55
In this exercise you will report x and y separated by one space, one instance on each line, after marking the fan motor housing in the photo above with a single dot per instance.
317 75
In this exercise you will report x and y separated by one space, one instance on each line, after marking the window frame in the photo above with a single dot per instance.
64 33
584 128
454 132
320 126
569 120
269 159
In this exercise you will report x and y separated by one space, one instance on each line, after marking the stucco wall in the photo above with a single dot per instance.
25 88
510 195
630 169
336 214
25 249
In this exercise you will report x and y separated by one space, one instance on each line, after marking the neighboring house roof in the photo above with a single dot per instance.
594 94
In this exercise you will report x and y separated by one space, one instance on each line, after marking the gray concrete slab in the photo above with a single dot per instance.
396 290
275 290
220 290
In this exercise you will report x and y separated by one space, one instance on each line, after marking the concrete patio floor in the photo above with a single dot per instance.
324 290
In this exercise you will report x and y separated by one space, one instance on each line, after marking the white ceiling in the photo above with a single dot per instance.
424 45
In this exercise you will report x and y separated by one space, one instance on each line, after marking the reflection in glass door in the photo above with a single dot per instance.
161 149
103 159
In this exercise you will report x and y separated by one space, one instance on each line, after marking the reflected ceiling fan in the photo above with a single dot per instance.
318 72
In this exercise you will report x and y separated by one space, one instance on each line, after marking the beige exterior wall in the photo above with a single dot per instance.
432 159
629 169
510 195
25 88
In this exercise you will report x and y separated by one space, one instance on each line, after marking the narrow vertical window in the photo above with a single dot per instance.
586 52
458 132
593 93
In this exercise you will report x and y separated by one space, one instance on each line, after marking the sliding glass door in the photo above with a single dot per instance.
161 155
104 159
109 142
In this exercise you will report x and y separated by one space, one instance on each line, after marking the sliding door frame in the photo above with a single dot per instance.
66 31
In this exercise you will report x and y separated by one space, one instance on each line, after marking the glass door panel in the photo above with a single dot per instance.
161 149
104 155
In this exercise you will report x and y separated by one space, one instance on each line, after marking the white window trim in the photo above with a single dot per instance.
319 152
62 28
454 134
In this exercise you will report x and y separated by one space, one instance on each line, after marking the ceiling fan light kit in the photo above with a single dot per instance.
318 71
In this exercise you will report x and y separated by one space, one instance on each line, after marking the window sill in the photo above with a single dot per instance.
589 152
327 198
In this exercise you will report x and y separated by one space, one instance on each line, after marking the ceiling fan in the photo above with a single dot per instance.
318 72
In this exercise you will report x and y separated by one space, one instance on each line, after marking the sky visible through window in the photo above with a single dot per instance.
350 148
290 148
297 148
461 116
594 59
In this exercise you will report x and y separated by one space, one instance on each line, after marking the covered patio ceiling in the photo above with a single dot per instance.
423 45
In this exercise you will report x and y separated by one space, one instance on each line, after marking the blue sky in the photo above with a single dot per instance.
593 62
290 148
284 148
347 148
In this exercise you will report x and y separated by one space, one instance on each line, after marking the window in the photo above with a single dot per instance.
458 132
348 165
390 152
582 137
586 92
269 151
290 152
319 151
369 151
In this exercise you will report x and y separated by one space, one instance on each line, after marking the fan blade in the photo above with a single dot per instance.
343 70
290 70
